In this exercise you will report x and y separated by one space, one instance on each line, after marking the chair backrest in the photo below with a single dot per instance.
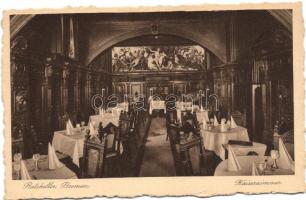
170 117
93 158
188 117
193 154
173 132
113 137
124 125
240 118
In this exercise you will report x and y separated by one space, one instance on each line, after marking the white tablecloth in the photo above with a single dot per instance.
124 106
241 150
202 115
106 118
246 167
71 145
157 105
214 139
184 106
44 172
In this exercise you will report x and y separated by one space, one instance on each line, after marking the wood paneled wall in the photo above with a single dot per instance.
47 84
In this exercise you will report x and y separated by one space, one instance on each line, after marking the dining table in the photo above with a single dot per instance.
246 163
71 145
202 115
185 105
43 171
105 118
157 105
215 138
243 150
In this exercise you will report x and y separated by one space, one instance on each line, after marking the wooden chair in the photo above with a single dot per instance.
173 133
189 155
189 117
240 118
170 119
124 132
93 158
113 146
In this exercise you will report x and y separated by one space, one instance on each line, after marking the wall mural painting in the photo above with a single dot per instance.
158 58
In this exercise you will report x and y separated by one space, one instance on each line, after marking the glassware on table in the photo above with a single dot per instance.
17 167
261 168
82 123
266 166
78 127
17 157
36 158
274 156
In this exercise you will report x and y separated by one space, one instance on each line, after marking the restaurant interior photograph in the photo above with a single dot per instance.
151 94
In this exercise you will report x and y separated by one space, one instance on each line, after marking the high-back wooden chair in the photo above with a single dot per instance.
189 117
113 149
240 118
124 131
93 158
173 133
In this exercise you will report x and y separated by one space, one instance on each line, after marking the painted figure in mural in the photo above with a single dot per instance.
166 58
152 63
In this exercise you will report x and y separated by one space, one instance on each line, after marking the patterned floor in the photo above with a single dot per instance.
157 160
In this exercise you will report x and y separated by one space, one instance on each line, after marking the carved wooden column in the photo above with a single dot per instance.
19 94
46 97
87 100
64 88
76 91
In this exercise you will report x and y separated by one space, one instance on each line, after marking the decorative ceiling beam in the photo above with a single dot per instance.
283 16
17 22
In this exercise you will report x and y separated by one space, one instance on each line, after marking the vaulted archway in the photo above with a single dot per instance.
210 43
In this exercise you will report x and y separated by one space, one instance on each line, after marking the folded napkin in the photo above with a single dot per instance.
92 130
232 162
70 123
233 123
24 173
285 161
101 111
223 127
178 115
216 123
254 170
75 155
54 163
206 116
204 124
68 128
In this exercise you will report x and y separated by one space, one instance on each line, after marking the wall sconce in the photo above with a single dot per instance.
155 31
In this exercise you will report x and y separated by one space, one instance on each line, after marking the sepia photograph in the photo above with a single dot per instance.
115 95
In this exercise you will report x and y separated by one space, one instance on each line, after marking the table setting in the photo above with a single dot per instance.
215 134
41 167
156 105
279 162
70 141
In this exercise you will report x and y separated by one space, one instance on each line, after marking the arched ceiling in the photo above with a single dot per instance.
206 29
209 32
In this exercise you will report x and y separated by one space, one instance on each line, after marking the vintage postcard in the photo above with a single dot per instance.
161 101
